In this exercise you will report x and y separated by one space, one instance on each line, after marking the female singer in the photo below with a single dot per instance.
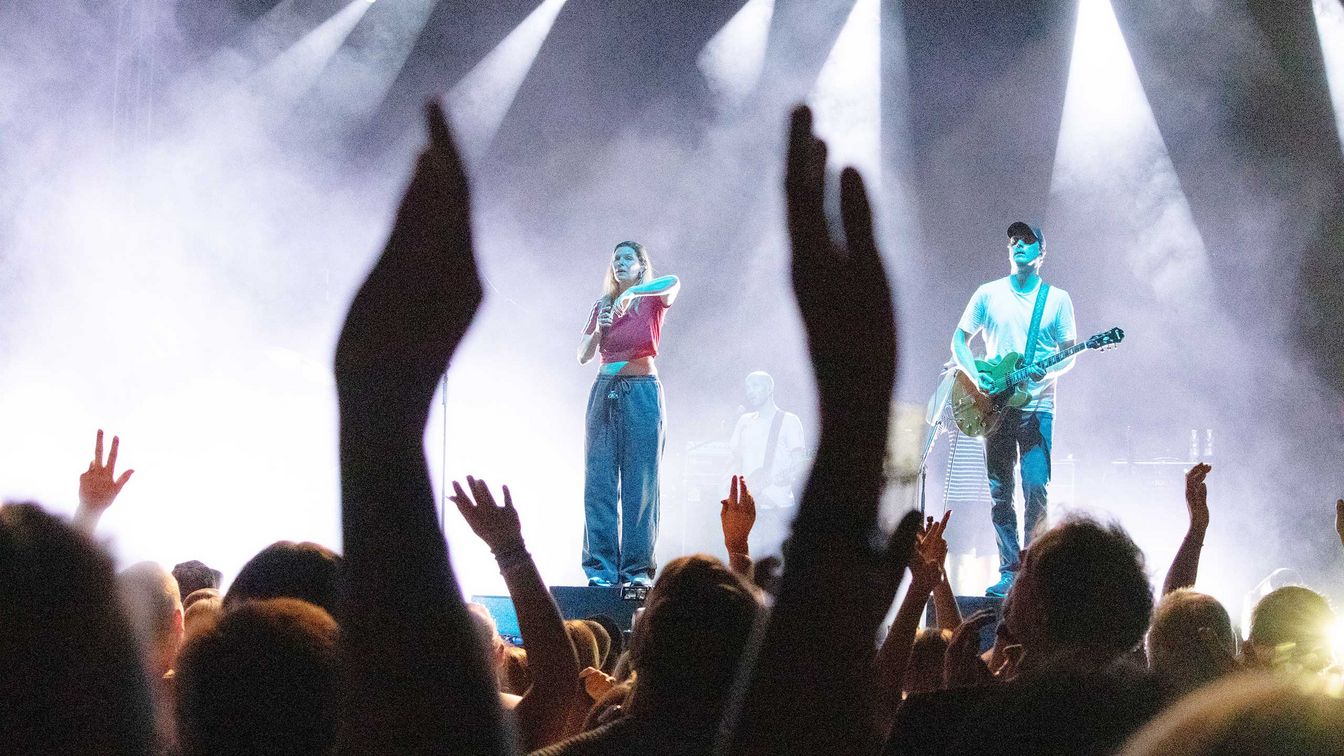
625 419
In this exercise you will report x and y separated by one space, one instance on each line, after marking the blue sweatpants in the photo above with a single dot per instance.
620 492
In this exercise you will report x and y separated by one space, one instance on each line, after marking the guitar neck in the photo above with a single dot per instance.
1017 376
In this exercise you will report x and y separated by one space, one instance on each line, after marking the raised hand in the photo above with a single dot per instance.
1197 496
841 575
842 289
100 485
1185 564
962 664
737 515
497 526
595 682
622 303
421 296
412 660
926 561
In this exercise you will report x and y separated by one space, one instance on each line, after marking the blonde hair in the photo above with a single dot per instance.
610 288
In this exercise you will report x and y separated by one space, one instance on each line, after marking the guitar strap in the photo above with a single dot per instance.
772 443
1035 328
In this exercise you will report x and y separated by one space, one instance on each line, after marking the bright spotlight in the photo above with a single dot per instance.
295 70
1111 155
1330 28
358 77
732 59
480 100
846 98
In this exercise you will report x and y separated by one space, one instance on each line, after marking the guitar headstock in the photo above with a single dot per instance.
1106 339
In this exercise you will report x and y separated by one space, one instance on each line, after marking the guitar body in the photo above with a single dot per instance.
979 413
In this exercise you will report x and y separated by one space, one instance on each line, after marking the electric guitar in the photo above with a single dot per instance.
978 412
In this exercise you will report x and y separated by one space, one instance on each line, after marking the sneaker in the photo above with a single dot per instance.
598 582
643 581
1000 589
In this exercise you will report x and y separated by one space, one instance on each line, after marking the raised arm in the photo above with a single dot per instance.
840 576
893 659
545 707
99 485
1185 566
415 675
665 287
945 605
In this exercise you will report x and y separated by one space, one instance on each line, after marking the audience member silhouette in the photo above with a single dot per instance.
306 571
71 678
684 652
1080 604
263 679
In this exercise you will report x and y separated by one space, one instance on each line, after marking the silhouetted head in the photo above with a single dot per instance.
1290 631
1082 588
71 680
193 576
925 671
696 622
203 609
263 678
150 595
1249 715
306 571
616 641
585 643
603 639
1178 650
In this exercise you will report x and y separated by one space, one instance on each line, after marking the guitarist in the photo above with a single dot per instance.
1019 313
768 449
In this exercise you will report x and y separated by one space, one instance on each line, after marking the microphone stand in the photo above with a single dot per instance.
936 418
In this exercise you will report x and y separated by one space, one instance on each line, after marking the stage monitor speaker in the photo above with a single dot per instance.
575 602
616 602
969 605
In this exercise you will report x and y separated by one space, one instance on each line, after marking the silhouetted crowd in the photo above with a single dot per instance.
374 650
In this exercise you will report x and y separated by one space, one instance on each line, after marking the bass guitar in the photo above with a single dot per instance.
979 412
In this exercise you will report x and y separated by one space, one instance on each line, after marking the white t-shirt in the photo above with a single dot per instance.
750 436
1004 314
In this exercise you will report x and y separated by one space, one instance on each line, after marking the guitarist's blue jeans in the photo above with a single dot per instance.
1024 436
623 449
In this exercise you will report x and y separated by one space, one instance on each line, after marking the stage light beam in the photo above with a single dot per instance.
294 71
1110 155
479 101
360 74
1330 28
846 98
732 60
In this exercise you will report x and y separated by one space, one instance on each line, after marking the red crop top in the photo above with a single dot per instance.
634 334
